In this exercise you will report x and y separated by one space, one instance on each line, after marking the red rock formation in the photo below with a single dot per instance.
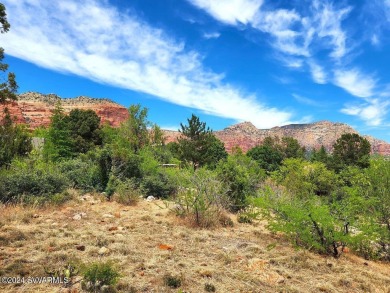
35 109
246 136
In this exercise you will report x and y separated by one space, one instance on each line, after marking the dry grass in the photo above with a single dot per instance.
148 243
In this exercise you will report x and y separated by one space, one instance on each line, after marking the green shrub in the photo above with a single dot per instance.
127 193
241 176
303 178
203 200
172 281
26 178
247 216
308 222
81 174
157 185
97 275
209 287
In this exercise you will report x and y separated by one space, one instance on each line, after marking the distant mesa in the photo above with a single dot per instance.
35 109
312 135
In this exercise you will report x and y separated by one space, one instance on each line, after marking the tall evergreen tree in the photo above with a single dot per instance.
58 143
197 144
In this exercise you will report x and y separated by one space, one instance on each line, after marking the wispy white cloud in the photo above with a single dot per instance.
355 82
230 11
372 112
291 62
280 25
214 35
375 40
328 22
306 101
317 72
96 41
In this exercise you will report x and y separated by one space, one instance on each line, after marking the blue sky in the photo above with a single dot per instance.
268 62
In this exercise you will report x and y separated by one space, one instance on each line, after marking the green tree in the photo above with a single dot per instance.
268 157
134 130
14 141
215 151
156 136
9 87
58 142
291 148
351 149
197 144
320 156
84 127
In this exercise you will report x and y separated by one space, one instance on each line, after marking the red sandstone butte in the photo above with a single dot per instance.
35 109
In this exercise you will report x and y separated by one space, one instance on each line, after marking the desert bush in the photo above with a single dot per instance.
27 178
303 178
248 215
127 192
157 185
81 174
14 141
308 222
203 200
172 281
97 275
241 176
155 180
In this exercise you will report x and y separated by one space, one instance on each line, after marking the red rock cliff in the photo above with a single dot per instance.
35 109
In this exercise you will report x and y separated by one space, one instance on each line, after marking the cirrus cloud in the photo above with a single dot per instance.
95 40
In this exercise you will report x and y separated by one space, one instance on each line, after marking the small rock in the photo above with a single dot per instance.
80 247
77 217
117 215
113 228
103 250
150 198
108 216
35 216
165 247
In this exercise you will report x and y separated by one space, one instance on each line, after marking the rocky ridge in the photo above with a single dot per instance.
35 109
313 135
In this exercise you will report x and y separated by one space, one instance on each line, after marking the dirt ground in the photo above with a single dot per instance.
147 242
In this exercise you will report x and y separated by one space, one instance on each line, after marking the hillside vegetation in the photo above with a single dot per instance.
278 218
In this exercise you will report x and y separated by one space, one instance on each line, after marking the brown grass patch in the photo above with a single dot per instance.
149 242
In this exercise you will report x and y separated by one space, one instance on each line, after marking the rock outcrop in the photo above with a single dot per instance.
313 135
35 109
